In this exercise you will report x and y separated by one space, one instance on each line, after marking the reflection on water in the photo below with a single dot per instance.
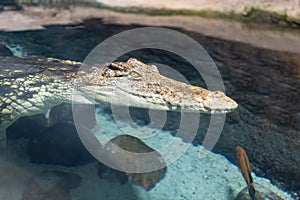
17 4
47 2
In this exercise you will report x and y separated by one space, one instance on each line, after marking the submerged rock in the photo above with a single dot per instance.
112 175
59 145
262 193
4 51
61 113
51 185
147 180
82 114
27 127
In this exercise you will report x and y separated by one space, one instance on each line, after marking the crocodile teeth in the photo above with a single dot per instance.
220 111
174 108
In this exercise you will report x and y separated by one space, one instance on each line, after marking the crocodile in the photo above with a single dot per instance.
32 85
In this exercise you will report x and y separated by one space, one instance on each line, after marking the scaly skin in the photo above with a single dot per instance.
33 85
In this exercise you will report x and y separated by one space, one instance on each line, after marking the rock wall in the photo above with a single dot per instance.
291 8
266 85
267 123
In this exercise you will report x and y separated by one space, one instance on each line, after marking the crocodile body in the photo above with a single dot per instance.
33 85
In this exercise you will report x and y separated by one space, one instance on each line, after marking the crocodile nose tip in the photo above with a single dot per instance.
231 104
234 104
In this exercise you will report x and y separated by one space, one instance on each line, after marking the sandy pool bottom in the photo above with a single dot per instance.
212 177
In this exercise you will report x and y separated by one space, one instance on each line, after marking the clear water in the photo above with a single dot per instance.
264 82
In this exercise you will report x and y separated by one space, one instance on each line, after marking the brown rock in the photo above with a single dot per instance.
110 174
124 161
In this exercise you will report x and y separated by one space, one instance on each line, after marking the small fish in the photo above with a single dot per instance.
244 165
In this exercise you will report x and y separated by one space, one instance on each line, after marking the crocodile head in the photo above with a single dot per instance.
136 84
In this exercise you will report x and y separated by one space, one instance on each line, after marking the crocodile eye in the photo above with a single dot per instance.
135 75
219 94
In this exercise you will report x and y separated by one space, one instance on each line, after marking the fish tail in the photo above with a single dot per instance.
251 192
